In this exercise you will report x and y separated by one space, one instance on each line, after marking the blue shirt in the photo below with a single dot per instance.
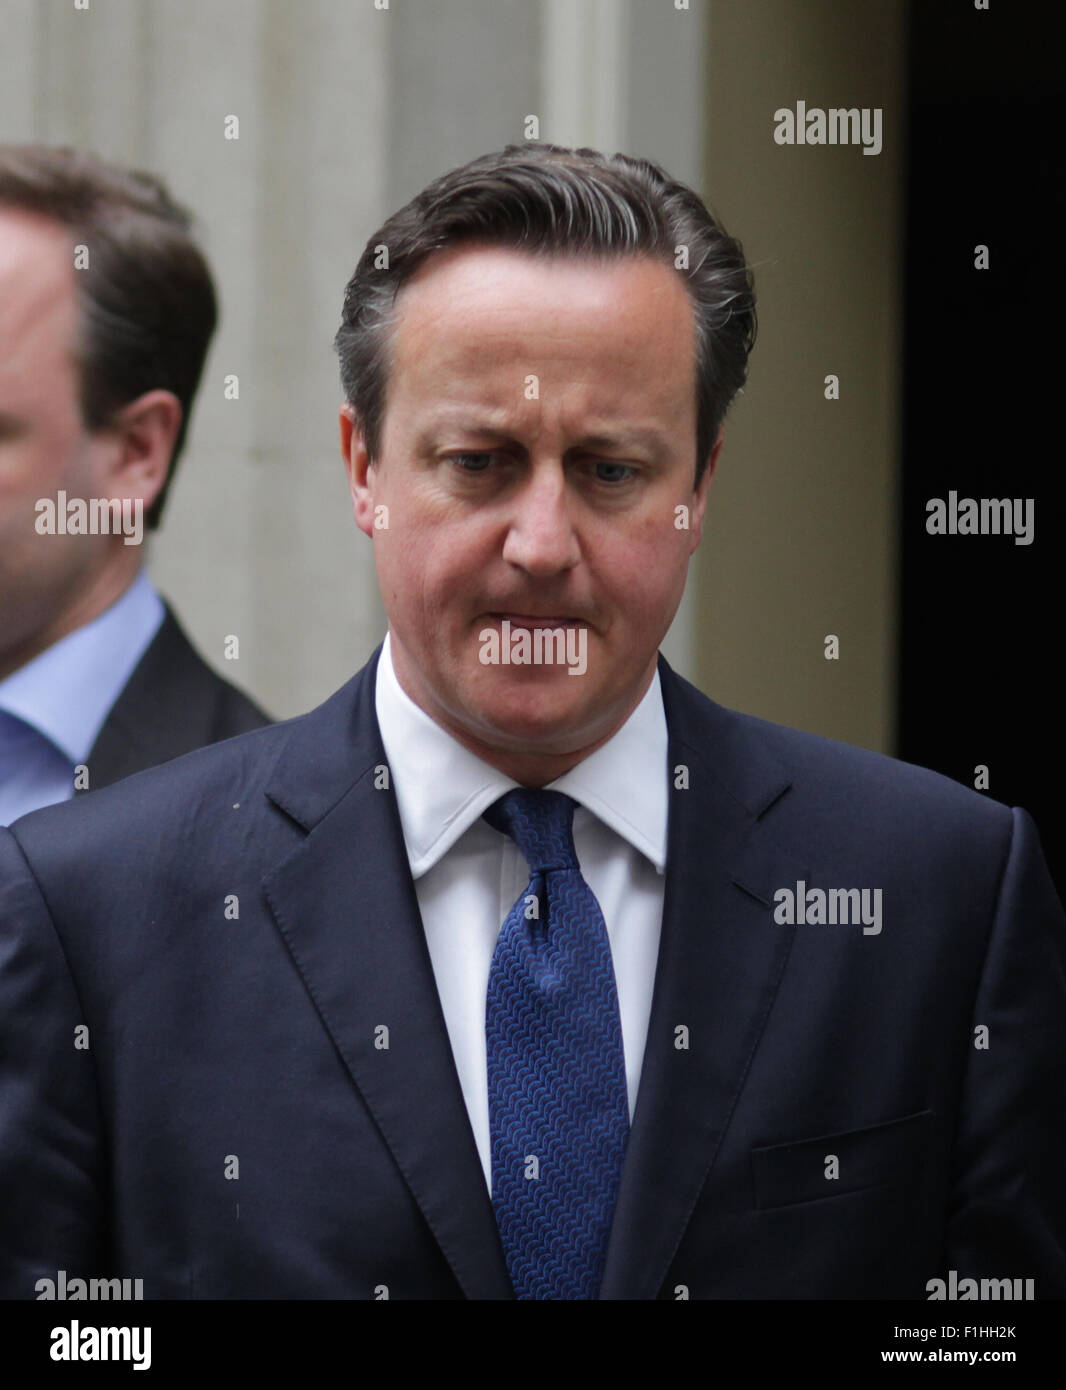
53 708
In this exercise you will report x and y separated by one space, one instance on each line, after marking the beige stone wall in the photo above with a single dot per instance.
802 534
345 111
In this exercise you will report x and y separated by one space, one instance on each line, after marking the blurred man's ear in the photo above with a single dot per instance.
703 488
145 431
358 467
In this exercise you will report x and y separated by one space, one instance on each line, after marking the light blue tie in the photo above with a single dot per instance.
558 1108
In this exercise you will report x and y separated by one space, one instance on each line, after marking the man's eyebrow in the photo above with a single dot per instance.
633 434
499 428
471 423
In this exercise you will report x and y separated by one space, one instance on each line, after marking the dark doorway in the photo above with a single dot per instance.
984 389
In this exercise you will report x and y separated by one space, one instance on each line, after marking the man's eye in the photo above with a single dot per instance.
471 462
609 472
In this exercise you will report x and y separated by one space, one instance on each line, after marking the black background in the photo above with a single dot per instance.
984 389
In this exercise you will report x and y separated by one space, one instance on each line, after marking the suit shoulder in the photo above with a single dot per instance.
172 811
822 770
845 764
185 802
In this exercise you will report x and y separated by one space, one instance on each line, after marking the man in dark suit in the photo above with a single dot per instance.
106 312
171 704
519 967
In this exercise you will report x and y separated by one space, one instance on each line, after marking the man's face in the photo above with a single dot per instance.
44 445
537 465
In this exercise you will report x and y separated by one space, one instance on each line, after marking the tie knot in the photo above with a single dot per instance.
541 825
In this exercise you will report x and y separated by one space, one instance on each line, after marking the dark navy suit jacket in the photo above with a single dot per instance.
234 928
172 703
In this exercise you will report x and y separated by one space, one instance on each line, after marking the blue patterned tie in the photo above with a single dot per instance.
558 1110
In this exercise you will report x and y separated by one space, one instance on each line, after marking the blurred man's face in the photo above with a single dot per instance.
537 467
44 447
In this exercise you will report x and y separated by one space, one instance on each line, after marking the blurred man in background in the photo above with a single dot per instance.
107 308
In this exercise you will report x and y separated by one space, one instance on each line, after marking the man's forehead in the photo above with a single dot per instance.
36 271
475 316
598 408
492 282
30 238
39 315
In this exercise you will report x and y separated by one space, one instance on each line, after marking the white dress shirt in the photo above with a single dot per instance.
469 876
53 708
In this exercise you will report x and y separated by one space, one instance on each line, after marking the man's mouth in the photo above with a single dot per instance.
530 620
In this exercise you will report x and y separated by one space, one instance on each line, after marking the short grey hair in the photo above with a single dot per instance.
549 200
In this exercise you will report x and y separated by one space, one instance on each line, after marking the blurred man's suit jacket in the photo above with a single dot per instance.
835 1127
172 703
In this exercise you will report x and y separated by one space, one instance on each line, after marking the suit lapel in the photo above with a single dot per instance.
720 964
345 904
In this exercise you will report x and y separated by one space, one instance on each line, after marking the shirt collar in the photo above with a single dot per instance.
66 692
442 788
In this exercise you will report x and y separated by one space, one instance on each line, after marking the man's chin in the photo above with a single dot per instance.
534 716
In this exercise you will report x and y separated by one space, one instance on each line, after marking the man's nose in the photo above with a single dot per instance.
541 537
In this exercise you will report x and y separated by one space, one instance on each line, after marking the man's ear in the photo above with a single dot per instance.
145 432
702 490
358 467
